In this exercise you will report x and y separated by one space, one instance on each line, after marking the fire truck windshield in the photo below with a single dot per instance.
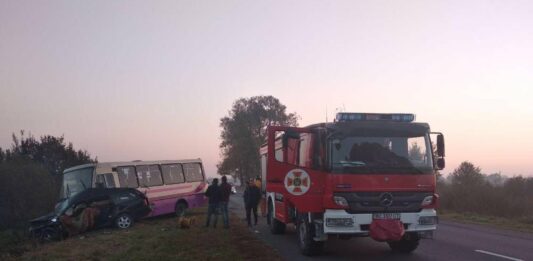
383 154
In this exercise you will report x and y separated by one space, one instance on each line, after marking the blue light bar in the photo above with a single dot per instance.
355 116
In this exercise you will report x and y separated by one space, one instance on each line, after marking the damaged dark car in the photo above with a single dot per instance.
91 209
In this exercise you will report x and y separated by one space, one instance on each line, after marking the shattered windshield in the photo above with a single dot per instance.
76 181
61 205
381 154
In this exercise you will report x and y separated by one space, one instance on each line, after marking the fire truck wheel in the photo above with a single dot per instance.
306 232
407 244
276 227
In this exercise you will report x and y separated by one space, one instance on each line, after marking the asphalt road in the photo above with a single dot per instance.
452 241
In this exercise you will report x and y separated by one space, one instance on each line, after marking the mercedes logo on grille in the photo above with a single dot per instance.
385 199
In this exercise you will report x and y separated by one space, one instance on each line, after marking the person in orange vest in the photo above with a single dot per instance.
262 202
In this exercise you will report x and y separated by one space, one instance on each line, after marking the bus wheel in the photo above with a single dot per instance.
276 227
180 208
124 221
407 244
306 232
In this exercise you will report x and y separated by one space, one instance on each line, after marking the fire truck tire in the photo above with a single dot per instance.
407 244
306 232
276 226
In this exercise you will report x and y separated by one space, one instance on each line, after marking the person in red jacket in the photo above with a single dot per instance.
225 192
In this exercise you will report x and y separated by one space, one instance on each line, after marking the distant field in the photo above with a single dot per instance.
518 224
160 239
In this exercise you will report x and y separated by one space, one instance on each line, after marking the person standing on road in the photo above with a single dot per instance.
213 193
225 192
252 195
262 203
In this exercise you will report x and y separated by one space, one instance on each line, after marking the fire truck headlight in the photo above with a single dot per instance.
341 201
339 222
427 201
431 220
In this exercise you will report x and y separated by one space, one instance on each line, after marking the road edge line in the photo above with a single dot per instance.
498 255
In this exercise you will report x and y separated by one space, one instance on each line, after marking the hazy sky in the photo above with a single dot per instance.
149 80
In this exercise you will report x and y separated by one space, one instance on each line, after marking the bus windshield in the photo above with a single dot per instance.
381 154
76 181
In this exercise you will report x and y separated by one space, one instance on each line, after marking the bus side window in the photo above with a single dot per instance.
109 180
105 181
193 172
142 175
155 176
149 175
172 173
127 177
100 181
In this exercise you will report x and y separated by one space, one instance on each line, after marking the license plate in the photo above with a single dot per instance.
386 216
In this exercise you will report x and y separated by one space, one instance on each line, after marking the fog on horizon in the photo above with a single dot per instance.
128 80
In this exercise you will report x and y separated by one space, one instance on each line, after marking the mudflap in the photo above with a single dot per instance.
386 230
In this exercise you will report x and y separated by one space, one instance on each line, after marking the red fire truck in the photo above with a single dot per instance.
365 174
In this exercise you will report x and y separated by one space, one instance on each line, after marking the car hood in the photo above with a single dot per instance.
44 218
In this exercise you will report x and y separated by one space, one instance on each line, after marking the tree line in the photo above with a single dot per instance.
468 190
30 178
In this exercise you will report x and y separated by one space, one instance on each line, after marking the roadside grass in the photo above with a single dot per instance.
522 224
13 242
160 239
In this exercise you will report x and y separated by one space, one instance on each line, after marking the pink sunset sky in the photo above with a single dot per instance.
150 80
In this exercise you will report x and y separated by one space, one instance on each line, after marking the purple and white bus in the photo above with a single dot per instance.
171 186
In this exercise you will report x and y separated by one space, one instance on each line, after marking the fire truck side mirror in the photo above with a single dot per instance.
440 146
441 163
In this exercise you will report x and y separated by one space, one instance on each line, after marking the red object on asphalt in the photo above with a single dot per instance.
386 230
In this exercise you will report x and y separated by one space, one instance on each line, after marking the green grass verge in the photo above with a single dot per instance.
159 239
522 224
12 242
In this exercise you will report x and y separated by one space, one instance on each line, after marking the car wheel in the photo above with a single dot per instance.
407 244
49 235
180 209
124 221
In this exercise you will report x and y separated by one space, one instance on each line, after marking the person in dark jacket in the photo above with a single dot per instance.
252 195
213 193
225 192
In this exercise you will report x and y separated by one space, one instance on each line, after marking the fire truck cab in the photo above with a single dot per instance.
365 174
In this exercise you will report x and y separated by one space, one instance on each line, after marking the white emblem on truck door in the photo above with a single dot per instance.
297 182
